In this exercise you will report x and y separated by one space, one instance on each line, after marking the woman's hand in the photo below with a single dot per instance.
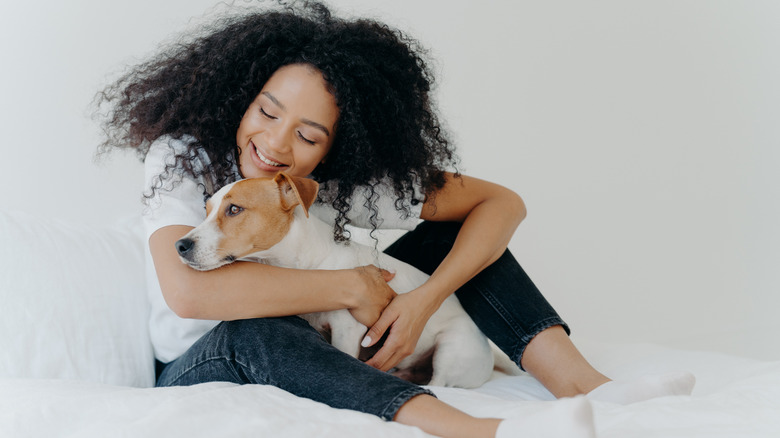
406 317
371 294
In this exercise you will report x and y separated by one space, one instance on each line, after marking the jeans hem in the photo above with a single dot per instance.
395 404
531 334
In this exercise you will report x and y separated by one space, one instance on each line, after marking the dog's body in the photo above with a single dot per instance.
461 354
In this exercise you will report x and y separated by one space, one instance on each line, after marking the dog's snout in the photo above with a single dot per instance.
183 246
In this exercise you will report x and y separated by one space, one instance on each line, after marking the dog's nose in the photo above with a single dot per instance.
183 246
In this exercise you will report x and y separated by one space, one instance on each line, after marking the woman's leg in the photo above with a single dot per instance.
507 306
289 354
568 418
553 359
441 419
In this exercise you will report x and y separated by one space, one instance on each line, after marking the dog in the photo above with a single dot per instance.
267 220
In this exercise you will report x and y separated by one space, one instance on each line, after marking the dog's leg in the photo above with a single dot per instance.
346 332
463 357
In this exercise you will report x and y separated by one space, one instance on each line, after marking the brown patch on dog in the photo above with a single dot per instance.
296 191
256 213
258 224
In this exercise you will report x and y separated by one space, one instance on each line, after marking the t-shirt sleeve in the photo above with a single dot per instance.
176 199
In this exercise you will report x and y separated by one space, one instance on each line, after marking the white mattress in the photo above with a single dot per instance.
734 397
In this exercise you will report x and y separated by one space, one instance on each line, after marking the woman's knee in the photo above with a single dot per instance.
426 246
258 333
257 350
441 233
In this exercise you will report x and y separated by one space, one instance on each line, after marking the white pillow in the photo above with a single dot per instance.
73 301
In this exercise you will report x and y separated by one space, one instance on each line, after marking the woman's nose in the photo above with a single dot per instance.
278 140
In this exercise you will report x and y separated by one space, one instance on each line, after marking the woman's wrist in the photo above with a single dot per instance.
430 297
352 287
346 293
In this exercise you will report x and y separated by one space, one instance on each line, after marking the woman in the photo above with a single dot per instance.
346 103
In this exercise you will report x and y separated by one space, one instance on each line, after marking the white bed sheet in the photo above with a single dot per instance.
734 397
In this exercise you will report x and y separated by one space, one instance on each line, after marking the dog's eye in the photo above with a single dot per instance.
233 210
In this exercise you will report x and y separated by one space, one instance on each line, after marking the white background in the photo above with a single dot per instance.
643 135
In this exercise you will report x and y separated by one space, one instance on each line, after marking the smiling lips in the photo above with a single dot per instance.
265 159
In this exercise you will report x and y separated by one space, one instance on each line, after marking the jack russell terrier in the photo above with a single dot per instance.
259 220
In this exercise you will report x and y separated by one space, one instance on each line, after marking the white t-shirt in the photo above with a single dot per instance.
181 202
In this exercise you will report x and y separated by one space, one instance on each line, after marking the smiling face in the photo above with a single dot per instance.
290 126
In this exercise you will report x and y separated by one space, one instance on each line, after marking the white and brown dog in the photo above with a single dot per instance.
266 220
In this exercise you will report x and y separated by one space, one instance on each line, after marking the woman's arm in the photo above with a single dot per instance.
250 290
490 214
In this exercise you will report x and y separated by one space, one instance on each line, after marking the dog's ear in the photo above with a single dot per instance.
296 191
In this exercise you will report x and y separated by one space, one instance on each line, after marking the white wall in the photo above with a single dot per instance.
643 136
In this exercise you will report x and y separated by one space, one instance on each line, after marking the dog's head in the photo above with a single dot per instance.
245 217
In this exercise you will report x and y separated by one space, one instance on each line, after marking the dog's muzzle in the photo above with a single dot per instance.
184 247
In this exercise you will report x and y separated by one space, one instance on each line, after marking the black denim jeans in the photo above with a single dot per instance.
288 353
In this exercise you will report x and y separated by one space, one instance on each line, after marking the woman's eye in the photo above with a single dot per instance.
305 139
233 210
262 111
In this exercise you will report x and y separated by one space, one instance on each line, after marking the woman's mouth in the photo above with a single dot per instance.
266 160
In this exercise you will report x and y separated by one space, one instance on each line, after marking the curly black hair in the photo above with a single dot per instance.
200 87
